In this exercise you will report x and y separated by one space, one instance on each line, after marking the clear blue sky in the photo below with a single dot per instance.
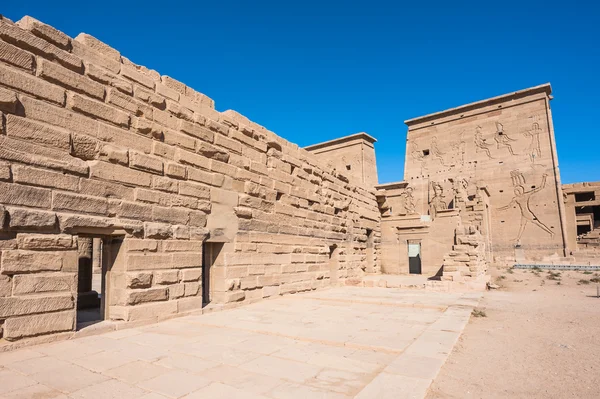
316 70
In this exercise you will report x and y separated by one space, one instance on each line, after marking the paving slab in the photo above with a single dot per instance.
347 342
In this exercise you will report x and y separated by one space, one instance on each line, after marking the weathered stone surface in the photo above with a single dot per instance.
31 85
31 219
16 306
98 46
16 194
139 280
5 286
71 80
191 275
44 31
19 261
166 276
15 56
40 283
45 241
27 326
149 295
8 100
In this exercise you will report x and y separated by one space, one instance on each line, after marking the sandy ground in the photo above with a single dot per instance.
540 338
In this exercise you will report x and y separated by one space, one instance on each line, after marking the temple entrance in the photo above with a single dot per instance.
414 257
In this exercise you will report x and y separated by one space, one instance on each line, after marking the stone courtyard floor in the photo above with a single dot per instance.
337 343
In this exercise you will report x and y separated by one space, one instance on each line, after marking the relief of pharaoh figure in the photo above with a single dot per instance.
534 150
408 201
502 139
480 143
521 199
437 202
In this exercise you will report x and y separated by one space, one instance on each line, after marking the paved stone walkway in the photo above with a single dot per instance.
339 343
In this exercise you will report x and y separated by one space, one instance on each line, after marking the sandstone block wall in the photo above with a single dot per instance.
91 143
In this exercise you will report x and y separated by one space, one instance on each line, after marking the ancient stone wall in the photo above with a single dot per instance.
506 144
94 144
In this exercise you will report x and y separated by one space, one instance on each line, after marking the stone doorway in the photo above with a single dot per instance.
96 255
414 257
210 253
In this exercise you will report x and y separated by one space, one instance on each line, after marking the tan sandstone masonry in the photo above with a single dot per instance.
92 143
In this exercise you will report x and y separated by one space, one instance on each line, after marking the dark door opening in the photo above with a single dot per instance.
210 253
96 257
414 257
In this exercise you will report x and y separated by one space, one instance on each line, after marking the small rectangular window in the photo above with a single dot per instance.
582 197
425 152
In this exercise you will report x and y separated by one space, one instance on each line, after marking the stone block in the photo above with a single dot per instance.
79 203
39 283
99 46
139 280
105 77
151 98
170 215
45 241
27 129
5 286
176 291
192 289
18 306
27 326
22 261
157 230
130 72
31 85
149 261
15 56
44 178
150 295
189 275
8 101
16 194
194 190
144 162
116 173
166 277
193 129
175 171
98 110
46 32
31 219
71 80
28 41
128 103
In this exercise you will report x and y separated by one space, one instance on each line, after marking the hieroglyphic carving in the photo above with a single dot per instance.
408 201
459 147
437 202
534 149
460 187
415 153
517 178
481 144
521 199
502 138
435 150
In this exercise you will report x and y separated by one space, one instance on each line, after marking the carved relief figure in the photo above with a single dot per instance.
408 201
459 147
534 150
435 150
521 199
437 202
517 178
502 138
415 152
481 144
460 187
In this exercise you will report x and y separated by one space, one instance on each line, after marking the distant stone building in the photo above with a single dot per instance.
126 197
